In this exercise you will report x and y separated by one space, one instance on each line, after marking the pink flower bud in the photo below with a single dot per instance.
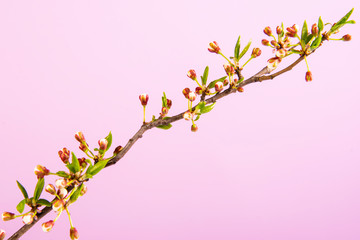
281 53
74 234
118 149
219 86
61 183
214 47
28 218
58 205
191 74
346 37
229 69
274 43
2 234
268 31
265 42
256 52
6 216
308 76
194 128
292 31
186 92
273 63
83 190
62 192
47 226
168 103
103 143
278 30
188 115
50 189
198 90
64 154
192 96
41 171
314 29
164 111
144 99
80 137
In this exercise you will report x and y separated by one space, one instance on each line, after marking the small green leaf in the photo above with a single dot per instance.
76 194
109 139
350 22
245 49
39 188
308 39
237 50
304 32
22 189
197 117
341 22
70 167
62 174
21 206
207 109
316 42
204 77
164 100
320 25
96 168
75 163
282 32
212 84
44 202
200 106
295 51
165 127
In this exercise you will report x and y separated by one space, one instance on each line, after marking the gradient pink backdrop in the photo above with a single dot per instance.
279 161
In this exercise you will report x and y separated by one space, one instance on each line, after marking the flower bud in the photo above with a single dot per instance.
268 31
41 171
265 42
192 96
6 216
314 29
273 63
83 190
28 218
50 189
62 192
240 89
278 30
256 52
80 137
164 111
292 31
2 234
61 183
346 37
186 92
168 103
226 82
194 128
74 234
47 226
274 43
188 115
118 149
103 143
58 205
144 99
219 86
281 53
198 90
308 76
82 162
229 69
64 154
214 47
191 74
83 147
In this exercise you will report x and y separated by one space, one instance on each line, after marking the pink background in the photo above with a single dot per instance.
279 161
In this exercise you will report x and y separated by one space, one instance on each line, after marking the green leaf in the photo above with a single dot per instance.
62 174
44 202
204 77
197 117
350 22
237 50
70 167
109 139
320 25
75 163
245 49
316 42
282 32
165 127
309 37
76 194
96 168
39 188
212 84
22 189
304 32
21 206
200 106
207 109
295 51
341 22
164 100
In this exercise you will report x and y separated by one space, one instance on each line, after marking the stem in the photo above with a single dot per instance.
144 115
307 65
71 224
226 58
247 62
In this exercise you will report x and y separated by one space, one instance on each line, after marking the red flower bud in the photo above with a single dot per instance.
103 143
41 171
82 162
28 218
2 234
198 90
64 154
268 31
6 216
346 37
308 76
274 43
80 137
265 42
226 82
186 92
83 147
74 234
229 69
214 47
144 99
256 52
191 74
164 111
278 30
47 226
240 89
219 86
168 103
50 189
194 128
314 29
118 149
192 96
